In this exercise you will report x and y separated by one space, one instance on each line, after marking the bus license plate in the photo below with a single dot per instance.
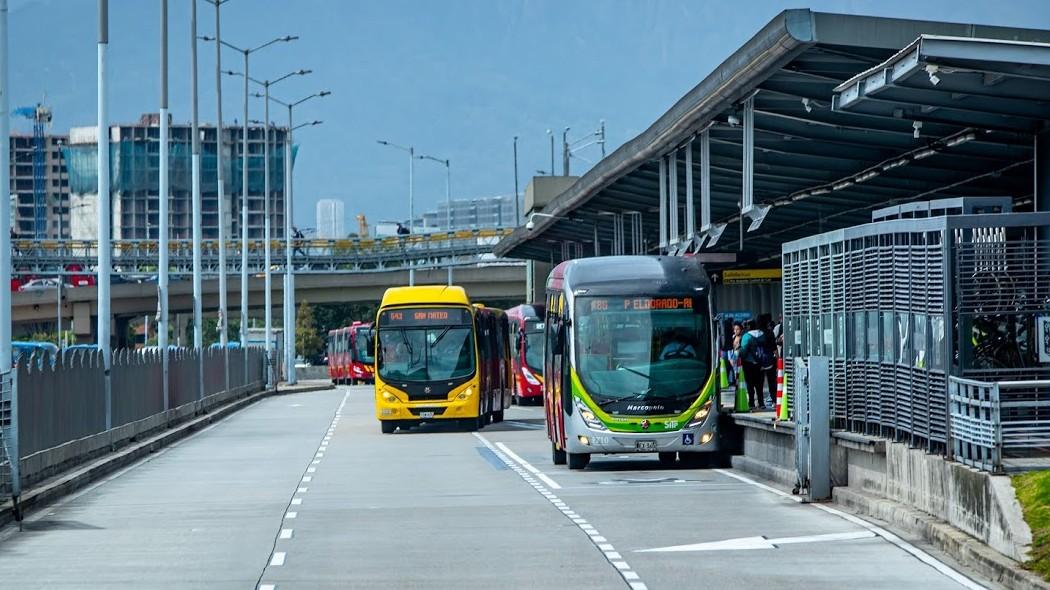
645 445
426 414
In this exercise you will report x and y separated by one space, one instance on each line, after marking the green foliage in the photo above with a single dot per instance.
336 315
1033 492
308 343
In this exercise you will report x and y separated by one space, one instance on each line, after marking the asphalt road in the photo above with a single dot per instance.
302 491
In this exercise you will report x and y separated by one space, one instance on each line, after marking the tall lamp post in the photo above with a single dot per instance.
268 276
448 202
246 52
289 276
411 207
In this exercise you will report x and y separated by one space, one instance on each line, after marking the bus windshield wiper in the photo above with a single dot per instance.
404 338
440 336
620 367
640 394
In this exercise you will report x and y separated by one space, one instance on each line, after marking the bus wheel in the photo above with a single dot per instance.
388 426
695 460
578 460
471 424
557 455
497 416
667 459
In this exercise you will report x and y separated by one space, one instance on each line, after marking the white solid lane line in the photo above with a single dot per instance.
528 466
900 543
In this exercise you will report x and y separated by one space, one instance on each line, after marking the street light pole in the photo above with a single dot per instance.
550 134
221 196
268 280
411 205
5 200
105 265
448 201
244 182
517 209
195 166
565 152
163 192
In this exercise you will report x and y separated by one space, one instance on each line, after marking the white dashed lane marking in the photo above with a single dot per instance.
526 471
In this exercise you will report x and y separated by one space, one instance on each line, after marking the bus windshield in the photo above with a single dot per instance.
364 344
534 346
642 354
425 344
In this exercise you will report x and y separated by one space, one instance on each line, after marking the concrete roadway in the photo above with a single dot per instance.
302 491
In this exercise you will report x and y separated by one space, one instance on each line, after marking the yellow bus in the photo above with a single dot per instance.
440 358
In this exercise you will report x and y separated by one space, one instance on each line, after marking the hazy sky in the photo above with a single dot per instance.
456 79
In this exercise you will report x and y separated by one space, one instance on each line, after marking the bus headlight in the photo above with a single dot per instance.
466 393
389 397
589 418
529 376
700 415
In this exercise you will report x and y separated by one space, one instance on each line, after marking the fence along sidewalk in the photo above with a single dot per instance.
61 401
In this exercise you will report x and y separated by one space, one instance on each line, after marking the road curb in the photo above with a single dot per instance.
48 492
961 547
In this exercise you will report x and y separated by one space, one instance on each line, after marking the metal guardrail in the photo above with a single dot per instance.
320 256
9 477
993 419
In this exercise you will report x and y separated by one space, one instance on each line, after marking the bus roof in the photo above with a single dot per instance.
526 311
629 275
425 295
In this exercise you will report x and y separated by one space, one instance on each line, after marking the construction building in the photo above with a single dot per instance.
134 180
52 215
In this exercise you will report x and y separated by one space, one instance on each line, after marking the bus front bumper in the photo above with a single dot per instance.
700 439
430 410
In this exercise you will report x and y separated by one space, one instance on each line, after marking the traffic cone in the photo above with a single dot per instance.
780 386
784 412
741 392
723 375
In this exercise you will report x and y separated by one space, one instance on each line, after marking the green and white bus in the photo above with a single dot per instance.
630 359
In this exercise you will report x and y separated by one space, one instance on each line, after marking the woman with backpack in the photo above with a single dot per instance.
754 353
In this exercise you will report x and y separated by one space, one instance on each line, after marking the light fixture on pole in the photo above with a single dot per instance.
288 305
411 207
448 203
246 52
268 272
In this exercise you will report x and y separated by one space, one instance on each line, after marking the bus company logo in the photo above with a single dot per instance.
426 389
645 425
645 408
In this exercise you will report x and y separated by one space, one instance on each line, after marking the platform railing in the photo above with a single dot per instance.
991 420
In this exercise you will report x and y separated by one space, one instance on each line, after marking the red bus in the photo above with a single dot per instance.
351 354
526 327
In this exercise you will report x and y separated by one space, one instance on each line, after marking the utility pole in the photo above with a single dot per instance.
602 132
105 265
550 134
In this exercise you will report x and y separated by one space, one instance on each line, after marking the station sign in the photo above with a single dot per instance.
751 275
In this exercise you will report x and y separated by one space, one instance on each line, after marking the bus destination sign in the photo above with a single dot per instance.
640 303
424 316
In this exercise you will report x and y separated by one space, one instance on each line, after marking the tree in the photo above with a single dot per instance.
308 342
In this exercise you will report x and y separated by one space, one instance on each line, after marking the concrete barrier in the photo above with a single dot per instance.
311 373
982 505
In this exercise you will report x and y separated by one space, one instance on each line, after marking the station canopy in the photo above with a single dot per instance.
835 116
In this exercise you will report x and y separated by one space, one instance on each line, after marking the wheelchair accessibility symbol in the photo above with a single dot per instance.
687 438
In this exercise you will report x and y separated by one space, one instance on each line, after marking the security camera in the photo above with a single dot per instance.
530 225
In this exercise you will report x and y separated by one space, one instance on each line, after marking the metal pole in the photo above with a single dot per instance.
448 209
551 135
58 316
517 208
411 209
289 277
603 138
198 336
163 193
565 152
221 195
244 222
267 286
5 199
104 263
